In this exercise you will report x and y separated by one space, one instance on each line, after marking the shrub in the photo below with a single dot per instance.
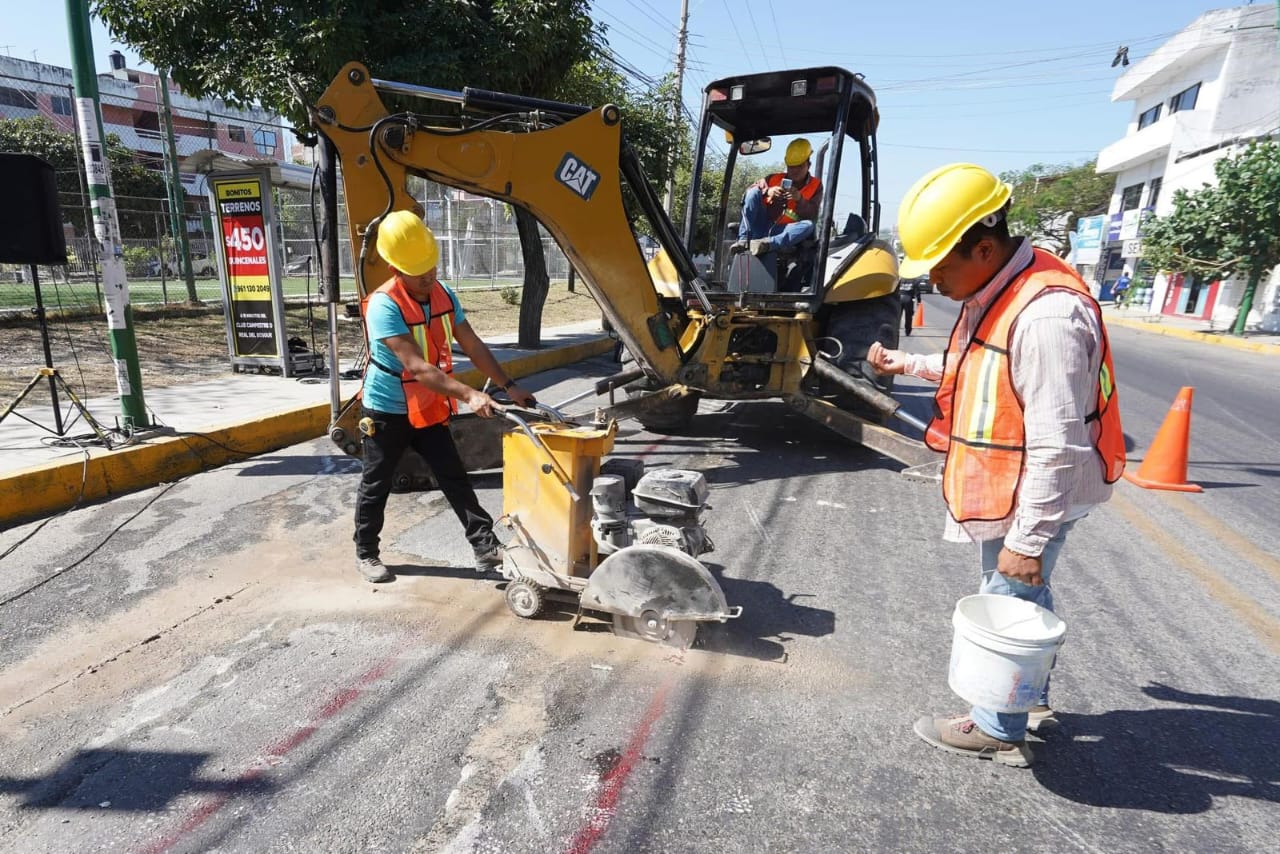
511 296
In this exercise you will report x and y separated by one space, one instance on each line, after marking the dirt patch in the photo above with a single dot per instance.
185 344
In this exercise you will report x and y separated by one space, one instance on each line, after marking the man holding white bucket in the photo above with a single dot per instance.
1026 409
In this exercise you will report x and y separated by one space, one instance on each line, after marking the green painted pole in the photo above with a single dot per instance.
177 208
106 224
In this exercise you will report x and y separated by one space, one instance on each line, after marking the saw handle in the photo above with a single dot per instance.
552 466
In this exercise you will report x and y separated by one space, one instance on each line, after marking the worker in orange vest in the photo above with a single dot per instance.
1026 409
779 210
409 392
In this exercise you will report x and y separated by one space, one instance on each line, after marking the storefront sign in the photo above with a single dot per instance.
1113 228
1131 249
1086 241
1129 223
1089 231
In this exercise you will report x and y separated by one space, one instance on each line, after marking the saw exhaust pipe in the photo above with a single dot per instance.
866 390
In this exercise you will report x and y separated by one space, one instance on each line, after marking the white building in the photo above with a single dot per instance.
1200 96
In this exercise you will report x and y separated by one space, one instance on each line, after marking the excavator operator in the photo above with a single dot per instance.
409 392
779 210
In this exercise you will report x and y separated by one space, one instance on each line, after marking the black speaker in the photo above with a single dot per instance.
30 218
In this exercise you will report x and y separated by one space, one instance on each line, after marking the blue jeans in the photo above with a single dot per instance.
756 223
1013 727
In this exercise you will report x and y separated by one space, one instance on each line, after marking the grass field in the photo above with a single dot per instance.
83 295
181 344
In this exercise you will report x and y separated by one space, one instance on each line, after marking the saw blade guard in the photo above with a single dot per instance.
650 578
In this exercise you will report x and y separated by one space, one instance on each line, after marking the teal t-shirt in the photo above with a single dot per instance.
382 390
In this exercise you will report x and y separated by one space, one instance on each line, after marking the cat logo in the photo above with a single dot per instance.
577 176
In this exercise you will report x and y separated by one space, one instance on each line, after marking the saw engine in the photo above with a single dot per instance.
662 508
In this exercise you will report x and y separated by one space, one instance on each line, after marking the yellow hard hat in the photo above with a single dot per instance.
798 151
405 242
940 208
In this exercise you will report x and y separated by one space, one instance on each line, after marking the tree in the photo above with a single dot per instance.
1226 230
140 191
281 55
746 172
1048 199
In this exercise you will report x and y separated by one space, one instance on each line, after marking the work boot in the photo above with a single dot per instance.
1041 718
489 560
373 570
738 247
761 246
961 736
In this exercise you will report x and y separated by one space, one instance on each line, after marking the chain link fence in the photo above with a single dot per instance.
479 242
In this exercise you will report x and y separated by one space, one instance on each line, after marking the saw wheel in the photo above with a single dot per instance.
651 627
525 598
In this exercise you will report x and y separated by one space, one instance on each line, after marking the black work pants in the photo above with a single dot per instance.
908 305
382 452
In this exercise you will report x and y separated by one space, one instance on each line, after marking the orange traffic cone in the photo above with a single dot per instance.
918 320
1165 465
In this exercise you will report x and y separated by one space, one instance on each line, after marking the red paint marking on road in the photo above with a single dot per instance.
278 750
606 804
649 450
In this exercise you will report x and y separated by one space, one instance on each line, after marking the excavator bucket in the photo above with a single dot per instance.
656 593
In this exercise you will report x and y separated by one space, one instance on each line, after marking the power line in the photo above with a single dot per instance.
659 19
777 34
733 23
752 18
1081 152
640 39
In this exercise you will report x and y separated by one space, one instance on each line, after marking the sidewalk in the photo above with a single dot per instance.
207 424
1191 329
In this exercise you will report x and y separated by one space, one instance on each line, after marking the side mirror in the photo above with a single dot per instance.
755 146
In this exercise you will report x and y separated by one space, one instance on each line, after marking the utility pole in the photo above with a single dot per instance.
106 224
676 102
177 210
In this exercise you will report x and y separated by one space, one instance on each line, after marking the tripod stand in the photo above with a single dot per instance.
55 382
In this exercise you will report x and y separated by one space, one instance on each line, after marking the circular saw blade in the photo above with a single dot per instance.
652 628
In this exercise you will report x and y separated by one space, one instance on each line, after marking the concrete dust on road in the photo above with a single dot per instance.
216 676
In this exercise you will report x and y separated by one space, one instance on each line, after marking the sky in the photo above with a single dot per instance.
1002 84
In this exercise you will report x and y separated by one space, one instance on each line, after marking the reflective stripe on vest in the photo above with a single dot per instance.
978 418
434 337
806 191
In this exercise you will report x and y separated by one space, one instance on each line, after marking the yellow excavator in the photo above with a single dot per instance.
793 325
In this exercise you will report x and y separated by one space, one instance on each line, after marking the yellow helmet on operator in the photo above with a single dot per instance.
940 208
405 242
798 151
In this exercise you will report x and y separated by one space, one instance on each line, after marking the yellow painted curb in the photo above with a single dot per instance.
1223 340
51 487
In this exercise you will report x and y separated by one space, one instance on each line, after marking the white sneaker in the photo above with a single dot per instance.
373 570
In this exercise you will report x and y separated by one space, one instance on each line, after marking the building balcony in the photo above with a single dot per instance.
1150 143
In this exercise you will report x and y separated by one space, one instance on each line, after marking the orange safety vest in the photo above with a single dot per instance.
978 416
435 337
807 191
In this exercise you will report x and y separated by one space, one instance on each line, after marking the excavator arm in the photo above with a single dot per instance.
562 163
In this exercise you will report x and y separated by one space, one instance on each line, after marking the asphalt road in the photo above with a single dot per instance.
209 673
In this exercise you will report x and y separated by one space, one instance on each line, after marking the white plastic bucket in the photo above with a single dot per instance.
1002 651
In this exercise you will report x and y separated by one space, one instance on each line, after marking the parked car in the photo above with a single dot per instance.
153 268
924 285
201 264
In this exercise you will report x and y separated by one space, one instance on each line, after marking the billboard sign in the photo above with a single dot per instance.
255 332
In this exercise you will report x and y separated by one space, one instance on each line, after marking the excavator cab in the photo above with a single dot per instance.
746 123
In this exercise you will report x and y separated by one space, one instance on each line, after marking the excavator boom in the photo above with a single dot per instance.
564 169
